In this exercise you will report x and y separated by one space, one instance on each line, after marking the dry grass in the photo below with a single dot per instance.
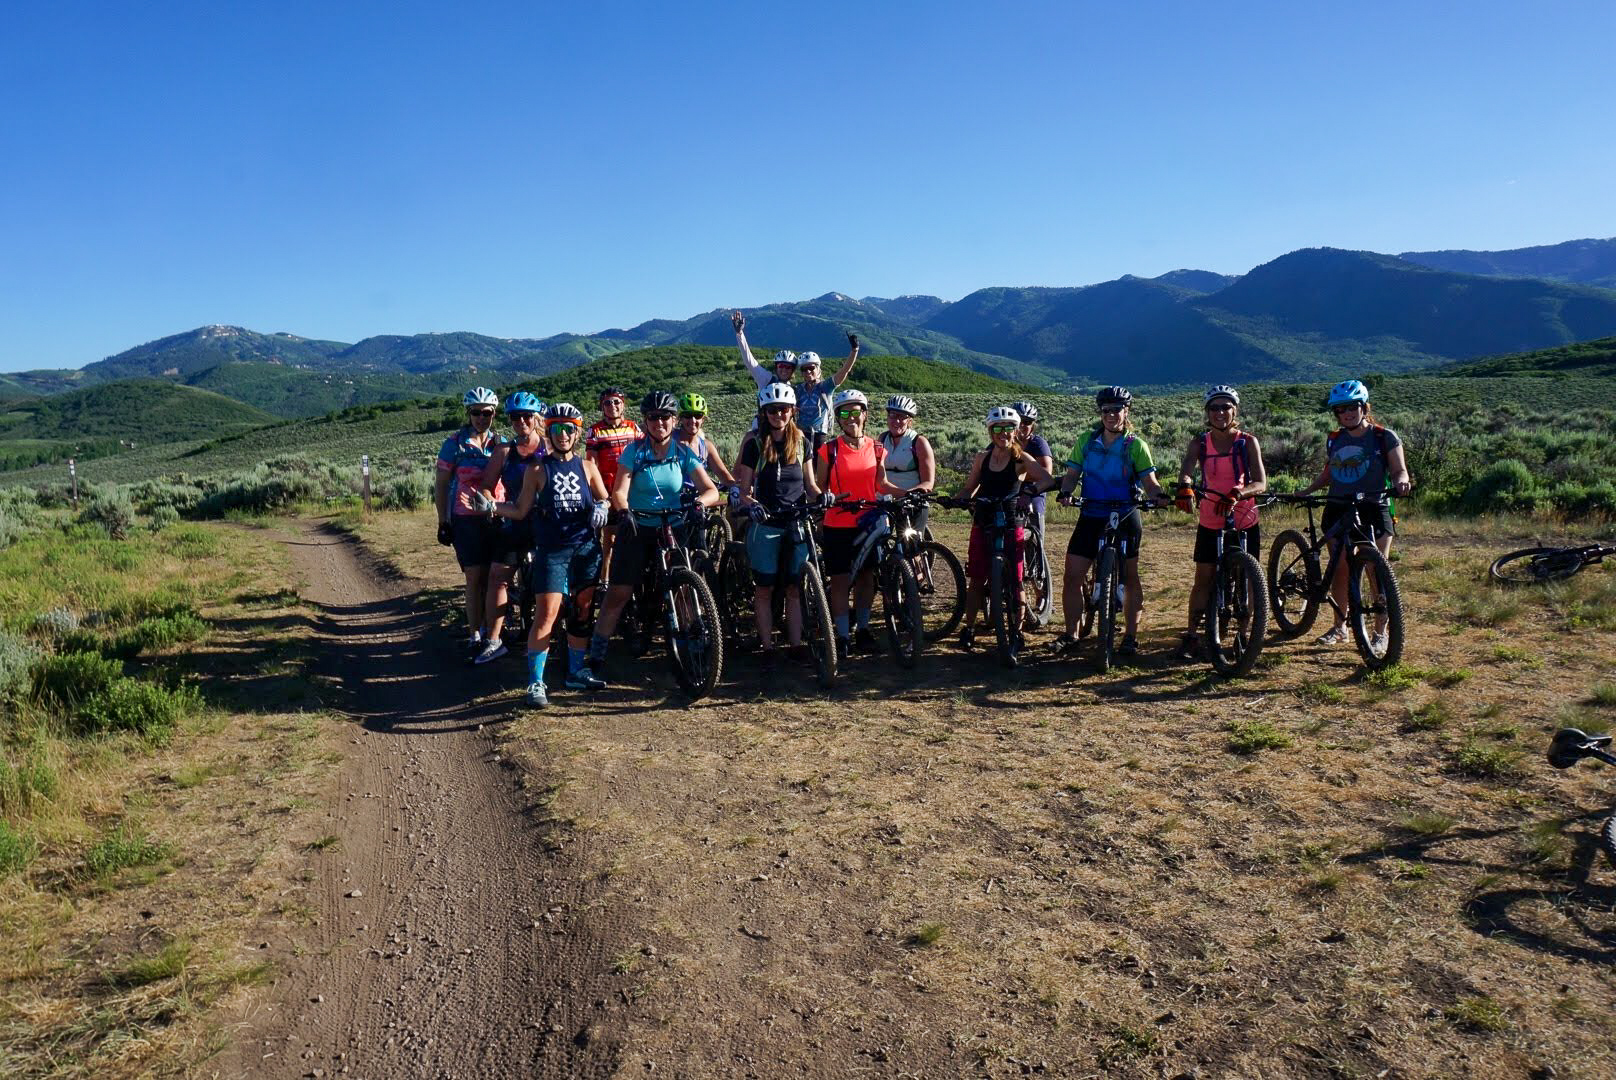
125 937
1112 888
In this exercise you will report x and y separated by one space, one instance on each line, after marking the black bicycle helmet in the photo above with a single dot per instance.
658 401
1113 395
611 391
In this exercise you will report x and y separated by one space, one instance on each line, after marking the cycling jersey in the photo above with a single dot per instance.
561 512
813 405
903 466
465 462
1110 473
657 482
606 442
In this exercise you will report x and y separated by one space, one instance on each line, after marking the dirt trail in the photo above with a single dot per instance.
444 939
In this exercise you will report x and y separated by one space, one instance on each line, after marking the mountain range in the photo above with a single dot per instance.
1311 314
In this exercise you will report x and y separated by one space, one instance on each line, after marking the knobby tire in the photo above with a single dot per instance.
900 600
1362 608
695 637
1293 585
941 579
1105 580
1238 611
1535 566
818 629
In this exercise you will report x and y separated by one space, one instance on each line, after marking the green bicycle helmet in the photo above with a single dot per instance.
692 403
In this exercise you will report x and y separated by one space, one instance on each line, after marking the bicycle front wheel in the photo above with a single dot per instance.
1374 607
695 632
1104 599
900 601
1238 614
736 596
1002 592
1535 566
818 629
1293 585
941 580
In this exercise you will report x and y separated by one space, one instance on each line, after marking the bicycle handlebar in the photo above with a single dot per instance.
1381 498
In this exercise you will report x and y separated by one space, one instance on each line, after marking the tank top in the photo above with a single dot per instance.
1220 473
699 450
994 484
515 469
852 473
903 468
561 512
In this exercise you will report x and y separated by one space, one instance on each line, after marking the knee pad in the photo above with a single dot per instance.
578 624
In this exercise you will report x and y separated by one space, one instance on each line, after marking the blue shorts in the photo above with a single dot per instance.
568 569
763 544
473 540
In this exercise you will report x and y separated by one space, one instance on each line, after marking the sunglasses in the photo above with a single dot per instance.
848 414
526 417
481 412
1002 429
692 416
659 416
1113 410
1354 407
1220 406
562 427
777 410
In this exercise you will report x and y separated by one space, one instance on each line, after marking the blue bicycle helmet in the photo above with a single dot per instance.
1351 392
522 401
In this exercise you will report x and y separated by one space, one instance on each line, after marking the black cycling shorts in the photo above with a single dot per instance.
473 540
632 553
836 548
1370 515
1090 531
512 540
1206 543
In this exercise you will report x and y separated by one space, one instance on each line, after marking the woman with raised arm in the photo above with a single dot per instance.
1230 463
785 361
564 496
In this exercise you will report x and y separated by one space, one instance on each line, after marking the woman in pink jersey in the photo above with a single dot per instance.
850 466
1230 463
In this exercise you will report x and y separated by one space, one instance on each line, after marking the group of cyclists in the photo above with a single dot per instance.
586 502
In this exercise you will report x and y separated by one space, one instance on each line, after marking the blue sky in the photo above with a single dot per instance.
514 169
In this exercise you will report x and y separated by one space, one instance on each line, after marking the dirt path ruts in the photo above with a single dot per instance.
443 939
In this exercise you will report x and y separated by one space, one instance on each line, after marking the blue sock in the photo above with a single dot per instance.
575 659
864 618
597 647
841 625
535 664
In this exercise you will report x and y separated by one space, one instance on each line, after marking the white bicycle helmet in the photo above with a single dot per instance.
776 394
850 397
785 356
564 410
1222 391
1003 414
1027 409
807 359
902 403
480 395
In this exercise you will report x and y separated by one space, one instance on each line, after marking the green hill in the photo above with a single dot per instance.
1575 262
291 392
1590 358
117 416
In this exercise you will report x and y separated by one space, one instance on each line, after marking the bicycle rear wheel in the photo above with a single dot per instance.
695 632
1104 599
1238 614
1038 597
1293 585
818 629
1607 839
941 580
1535 566
735 595
1002 613
900 601
1373 598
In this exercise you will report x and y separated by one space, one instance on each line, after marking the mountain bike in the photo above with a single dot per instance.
1237 610
519 602
1107 600
938 572
674 595
999 516
739 591
1296 588
1570 746
1541 565
878 548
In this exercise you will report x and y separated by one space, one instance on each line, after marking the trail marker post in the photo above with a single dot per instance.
73 475
364 479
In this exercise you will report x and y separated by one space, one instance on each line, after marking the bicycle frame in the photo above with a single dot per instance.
1341 532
